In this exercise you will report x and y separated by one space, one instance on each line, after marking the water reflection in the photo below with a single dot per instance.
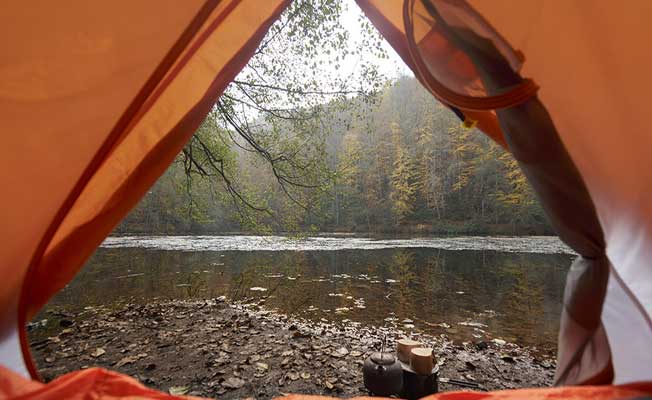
467 294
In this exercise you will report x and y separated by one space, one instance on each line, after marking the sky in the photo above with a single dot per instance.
327 76
393 67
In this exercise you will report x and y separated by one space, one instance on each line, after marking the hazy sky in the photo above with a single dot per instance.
391 67
326 76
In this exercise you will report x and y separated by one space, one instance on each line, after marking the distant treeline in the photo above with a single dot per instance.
401 164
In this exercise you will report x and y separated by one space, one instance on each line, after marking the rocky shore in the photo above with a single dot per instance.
214 348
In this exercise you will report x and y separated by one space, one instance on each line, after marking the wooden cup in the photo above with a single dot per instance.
403 348
422 360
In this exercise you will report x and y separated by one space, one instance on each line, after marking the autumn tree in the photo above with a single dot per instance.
279 109
403 178
402 163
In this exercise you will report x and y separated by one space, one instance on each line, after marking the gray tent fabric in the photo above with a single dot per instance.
583 354
583 349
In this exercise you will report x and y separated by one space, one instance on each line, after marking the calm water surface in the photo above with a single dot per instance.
471 288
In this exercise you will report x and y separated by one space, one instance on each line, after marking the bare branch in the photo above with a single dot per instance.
298 91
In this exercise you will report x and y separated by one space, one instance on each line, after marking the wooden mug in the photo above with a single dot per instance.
403 348
422 360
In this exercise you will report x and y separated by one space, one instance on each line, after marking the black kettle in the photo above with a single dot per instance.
383 374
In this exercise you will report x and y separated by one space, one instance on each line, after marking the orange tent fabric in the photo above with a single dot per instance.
97 99
94 383
579 140
387 16
596 92
97 383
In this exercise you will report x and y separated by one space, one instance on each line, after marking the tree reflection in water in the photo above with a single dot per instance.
517 296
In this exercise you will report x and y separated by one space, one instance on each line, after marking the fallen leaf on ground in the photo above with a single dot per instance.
98 352
293 375
341 352
233 383
178 390
130 359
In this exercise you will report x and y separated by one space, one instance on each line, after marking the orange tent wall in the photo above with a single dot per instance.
98 383
97 99
586 57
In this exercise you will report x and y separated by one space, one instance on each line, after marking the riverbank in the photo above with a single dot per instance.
212 348
438 228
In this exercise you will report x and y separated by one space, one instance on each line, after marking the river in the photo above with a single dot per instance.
469 288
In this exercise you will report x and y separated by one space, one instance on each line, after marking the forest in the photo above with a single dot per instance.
394 162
